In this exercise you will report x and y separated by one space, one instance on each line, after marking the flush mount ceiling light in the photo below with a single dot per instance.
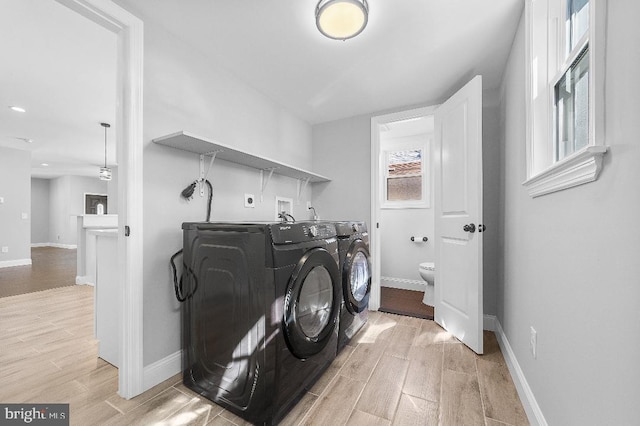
17 108
342 19
105 172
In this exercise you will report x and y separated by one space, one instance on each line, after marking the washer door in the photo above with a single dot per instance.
356 277
312 303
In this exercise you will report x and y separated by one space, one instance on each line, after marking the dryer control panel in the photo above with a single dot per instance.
287 233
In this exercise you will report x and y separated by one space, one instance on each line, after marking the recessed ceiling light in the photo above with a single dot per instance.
44 164
17 108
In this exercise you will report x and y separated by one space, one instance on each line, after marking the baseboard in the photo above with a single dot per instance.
161 370
525 393
57 245
402 283
489 323
84 280
17 262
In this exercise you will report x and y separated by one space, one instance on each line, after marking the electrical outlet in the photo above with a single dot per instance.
533 342
5 249
249 200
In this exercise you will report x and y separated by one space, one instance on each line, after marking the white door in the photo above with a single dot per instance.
458 215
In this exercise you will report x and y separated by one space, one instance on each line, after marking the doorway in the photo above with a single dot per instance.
457 207
129 31
403 204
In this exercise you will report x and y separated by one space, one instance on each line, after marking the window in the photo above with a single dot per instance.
404 175
405 183
565 97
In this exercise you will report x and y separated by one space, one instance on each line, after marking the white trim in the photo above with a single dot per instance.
490 323
17 262
162 369
582 167
403 284
374 235
85 280
129 117
545 176
531 407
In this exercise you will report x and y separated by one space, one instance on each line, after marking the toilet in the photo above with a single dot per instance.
427 271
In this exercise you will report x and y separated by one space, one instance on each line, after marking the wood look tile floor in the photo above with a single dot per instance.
397 371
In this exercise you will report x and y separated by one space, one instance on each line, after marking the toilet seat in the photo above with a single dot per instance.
428 266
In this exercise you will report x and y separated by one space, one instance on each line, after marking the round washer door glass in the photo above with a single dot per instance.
359 276
315 302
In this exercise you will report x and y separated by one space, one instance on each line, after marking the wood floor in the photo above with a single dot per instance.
404 302
398 370
51 267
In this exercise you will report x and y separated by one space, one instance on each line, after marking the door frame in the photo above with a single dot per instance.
129 115
376 123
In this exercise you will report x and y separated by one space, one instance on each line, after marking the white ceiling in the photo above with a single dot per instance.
413 52
61 68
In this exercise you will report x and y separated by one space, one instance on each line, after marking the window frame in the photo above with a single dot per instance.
424 147
545 174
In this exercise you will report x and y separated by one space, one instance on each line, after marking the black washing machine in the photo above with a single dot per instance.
355 269
260 323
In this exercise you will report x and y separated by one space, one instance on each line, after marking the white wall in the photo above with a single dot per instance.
570 259
184 90
15 188
66 202
342 150
39 210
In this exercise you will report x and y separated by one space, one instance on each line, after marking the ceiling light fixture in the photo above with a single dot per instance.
342 19
45 164
105 172
17 108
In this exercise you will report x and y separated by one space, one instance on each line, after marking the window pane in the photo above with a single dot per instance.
572 108
577 23
403 163
404 188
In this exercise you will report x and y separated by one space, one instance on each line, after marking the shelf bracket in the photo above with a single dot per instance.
301 187
203 174
265 181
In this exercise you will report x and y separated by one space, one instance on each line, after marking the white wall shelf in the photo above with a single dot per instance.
202 146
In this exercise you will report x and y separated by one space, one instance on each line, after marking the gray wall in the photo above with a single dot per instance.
570 259
342 150
39 211
66 202
184 90
15 188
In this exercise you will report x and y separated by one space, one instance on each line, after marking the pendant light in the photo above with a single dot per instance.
105 172
342 19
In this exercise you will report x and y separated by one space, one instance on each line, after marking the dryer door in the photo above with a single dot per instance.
312 303
356 277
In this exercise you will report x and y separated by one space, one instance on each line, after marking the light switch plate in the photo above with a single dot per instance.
25 215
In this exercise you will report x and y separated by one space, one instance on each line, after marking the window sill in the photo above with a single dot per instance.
582 167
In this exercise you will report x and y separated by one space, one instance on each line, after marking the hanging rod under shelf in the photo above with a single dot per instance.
199 145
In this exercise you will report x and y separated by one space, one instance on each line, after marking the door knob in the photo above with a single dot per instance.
471 228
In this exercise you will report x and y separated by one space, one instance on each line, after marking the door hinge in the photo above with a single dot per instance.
127 230
377 225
